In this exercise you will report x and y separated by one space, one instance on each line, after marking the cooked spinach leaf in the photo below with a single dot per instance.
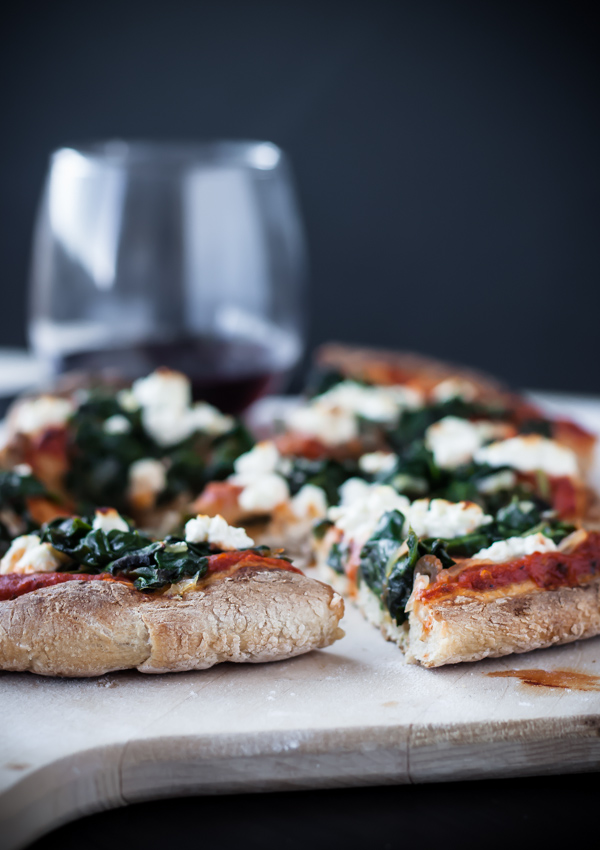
399 580
326 473
101 458
337 558
381 547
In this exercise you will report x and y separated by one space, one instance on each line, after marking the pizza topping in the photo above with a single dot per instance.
310 502
548 570
147 478
454 441
165 399
33 415
27 554
358 518
377 404
13 585
440 518
497 481
363 505
215 530
454 387
530 453
108 519
331 427
117 424
515 547
376 463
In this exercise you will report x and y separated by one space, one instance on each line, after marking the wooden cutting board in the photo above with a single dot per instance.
354 714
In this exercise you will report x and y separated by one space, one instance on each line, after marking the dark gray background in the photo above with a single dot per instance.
446 154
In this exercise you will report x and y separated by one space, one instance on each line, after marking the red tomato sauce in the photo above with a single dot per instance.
13 584
226 560
548 570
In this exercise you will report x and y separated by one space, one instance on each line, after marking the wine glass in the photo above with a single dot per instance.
186 255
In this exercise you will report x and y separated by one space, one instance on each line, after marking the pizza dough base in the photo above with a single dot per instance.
92 628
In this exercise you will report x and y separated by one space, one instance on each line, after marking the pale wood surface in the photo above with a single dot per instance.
354 714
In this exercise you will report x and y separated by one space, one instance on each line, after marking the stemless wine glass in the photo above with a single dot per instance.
185 255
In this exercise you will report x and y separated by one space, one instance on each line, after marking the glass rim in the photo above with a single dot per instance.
153 154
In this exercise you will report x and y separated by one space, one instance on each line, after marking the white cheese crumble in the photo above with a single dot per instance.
504 480
358 518
163 388
215 530
332 427
516 547
147 476
530 453
256 472
36 414
262 459
310 502
168 414
117 424
108 519
376 463
454 387
27 554
264 493
332 416
455 441
440 518
378 404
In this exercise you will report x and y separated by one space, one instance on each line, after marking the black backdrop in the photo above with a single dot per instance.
446 153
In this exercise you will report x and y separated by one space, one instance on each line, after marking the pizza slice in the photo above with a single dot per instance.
87 596
449 583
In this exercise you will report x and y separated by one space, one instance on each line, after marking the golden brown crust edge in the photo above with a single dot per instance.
92 628
468 629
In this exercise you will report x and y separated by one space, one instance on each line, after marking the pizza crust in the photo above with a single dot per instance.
92 628
468 629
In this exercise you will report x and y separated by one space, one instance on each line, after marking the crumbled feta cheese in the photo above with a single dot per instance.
358 519
516 547
215 530
310 502
108 519
163 388
263 459
353 490
379 404
198 529
375 463
117 424
530 453
454 441
147 476
264 493
257 472
332 427
27 554
128 401
504 480
168 415
440 518
206 418
36 414
454 387
166 425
